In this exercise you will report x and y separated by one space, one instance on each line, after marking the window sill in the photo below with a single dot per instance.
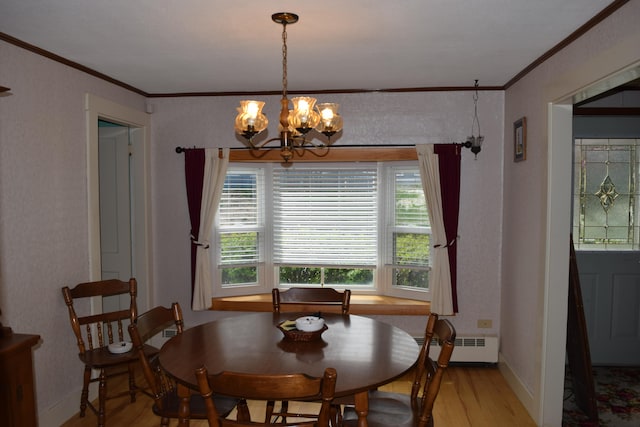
360 304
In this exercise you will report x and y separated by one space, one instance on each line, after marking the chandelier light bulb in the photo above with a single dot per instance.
252 112
303 106
303 118
250 119
327 116
331 121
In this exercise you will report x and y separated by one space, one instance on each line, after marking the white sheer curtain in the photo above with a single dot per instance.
215 170
440 276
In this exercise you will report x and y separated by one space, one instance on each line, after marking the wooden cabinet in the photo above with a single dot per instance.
17 394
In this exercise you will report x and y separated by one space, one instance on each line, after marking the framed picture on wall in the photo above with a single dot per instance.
520 140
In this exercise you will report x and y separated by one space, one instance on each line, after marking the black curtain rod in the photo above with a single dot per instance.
183 149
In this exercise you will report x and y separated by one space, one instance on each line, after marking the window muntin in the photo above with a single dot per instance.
376 241
606 194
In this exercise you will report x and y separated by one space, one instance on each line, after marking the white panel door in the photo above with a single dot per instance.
115 209
610 283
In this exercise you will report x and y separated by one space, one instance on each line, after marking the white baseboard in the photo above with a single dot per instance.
67 407
518 387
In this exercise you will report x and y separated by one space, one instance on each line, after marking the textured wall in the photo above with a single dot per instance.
43 207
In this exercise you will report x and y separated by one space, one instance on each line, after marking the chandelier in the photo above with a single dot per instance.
294 125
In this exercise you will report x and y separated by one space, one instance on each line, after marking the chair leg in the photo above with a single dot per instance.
102 397
336 415
269 411
243 411
84 397
132 382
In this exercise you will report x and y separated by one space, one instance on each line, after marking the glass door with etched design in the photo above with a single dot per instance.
606 194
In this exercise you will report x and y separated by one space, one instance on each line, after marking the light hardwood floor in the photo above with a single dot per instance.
469 397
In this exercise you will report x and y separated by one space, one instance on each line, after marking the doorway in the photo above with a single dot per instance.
116 216
119 197
560 114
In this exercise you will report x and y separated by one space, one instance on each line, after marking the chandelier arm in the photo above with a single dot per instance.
317 151
263 144
317 143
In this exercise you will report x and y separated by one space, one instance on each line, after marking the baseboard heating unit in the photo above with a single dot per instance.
168 333
470 349
159 340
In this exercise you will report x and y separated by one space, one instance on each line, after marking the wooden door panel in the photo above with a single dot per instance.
611 294
625 302
589 286
115 210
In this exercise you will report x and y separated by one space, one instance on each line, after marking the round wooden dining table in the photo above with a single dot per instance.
365 352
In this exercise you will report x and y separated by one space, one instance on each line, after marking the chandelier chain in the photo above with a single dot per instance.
284 59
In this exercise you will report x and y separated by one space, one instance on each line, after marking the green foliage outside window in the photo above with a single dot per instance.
405 277
332 276
239 248
296 275
411 250
239 275
348 276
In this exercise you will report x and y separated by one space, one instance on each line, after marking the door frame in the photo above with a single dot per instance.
549 401
99 108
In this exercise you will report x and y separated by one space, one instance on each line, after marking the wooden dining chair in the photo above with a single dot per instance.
306 299
162 388
268 387
414 410
94 333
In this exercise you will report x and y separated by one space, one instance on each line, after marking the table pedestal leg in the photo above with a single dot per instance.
362 408
184 411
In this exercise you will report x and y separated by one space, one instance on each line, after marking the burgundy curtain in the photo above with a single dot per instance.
449 164
194 175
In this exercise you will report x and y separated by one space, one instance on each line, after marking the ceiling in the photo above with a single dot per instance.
196 46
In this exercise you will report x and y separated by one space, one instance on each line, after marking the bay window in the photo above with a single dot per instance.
362 226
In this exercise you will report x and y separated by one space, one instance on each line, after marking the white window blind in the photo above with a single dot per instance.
239 218
410 203
411 231
325 216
